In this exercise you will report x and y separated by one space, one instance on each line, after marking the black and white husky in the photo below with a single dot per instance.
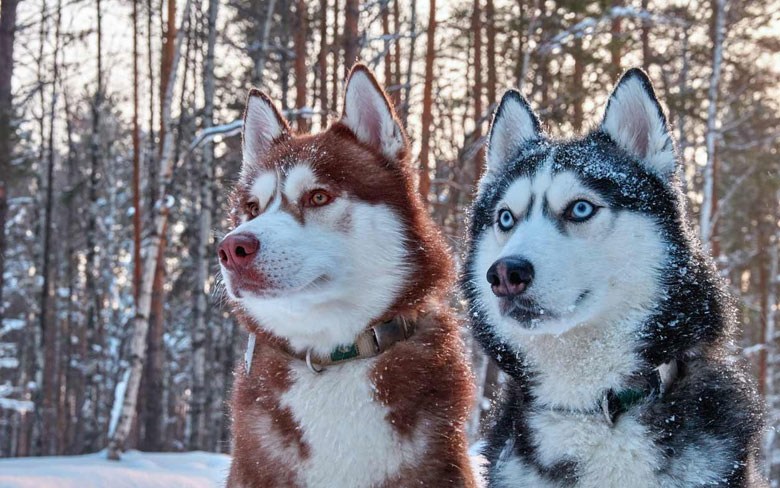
588 287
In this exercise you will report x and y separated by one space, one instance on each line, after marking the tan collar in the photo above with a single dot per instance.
371 342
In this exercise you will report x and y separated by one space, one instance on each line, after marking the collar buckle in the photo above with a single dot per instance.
315 368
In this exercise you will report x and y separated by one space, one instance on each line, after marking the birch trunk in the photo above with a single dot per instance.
140 322
198 419
709 200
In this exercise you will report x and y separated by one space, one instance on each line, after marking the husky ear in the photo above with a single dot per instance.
514 124
263 125
635 121
369 115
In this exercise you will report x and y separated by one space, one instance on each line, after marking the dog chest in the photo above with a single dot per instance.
609 456
619 455
351 443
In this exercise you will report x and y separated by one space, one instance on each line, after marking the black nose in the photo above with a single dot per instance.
509 277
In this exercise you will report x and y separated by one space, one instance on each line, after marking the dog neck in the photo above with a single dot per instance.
573 370
374 340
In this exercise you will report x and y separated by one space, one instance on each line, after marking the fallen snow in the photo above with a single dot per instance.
195 469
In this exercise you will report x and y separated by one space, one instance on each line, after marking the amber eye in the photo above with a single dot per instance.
318 198
253 209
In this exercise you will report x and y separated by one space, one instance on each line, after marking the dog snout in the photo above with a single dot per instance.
510 276
237 251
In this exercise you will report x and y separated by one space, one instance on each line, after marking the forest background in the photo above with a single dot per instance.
119 142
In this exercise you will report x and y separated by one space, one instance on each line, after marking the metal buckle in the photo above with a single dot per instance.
250 350
311 365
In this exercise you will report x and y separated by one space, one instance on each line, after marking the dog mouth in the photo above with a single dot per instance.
260 288
523 310
529 313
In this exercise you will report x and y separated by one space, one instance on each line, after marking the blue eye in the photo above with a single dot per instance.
580 211
505 220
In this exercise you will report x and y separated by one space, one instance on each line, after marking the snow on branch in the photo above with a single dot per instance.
225 130
591 25
21 406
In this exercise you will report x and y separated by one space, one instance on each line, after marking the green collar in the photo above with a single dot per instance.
371 342
614 403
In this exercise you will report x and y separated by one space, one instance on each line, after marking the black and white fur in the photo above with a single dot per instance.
612 298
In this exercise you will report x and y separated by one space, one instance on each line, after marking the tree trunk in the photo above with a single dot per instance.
288 25
351 17
533 19
48 319
151 249
92 355
763 292
203 254
427 111
682 116
7 36
645 38
410 60
490 19
709 201
260 63
577 84
388 60
770 342
153 368
396 96
150 68
614 43
136 165
322 62
152 382
336 86
477 88
301 29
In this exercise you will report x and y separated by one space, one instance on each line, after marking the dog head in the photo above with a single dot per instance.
329 232
581 232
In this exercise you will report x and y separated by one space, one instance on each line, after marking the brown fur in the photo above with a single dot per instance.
425 381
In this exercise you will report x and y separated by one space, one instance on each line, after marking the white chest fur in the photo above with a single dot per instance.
611 457
351 442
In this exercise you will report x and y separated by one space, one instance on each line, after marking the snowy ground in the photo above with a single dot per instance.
135 470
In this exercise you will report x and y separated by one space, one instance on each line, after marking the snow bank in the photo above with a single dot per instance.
195 469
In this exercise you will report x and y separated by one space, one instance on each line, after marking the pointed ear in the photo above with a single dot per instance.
369 115
263 125
635 121
514 124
